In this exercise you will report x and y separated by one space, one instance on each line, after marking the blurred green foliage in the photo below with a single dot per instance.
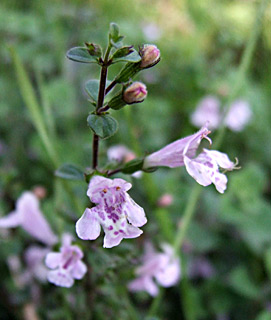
201 44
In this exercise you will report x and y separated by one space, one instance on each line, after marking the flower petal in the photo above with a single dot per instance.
135 214
33 220
197 171
79 270
144 284
169 275
88 227
221 159
53 260
172 155
111 241
132 232
60 278
14 219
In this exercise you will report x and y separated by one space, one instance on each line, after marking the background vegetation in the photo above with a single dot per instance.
201 45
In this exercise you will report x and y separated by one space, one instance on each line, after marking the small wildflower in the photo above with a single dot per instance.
238 115
204 168
29 216
207 111
114 207
66 264
163 267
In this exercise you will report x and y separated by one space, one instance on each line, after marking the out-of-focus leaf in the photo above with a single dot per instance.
70 172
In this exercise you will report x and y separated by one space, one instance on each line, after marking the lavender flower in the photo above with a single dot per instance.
30 218
67 264
238 115
204 168
114 207
207 110
164 268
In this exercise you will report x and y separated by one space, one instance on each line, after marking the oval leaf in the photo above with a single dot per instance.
104 126
92 88
131 57
70 172
81 54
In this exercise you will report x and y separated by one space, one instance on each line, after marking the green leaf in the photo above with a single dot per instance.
92 88
133 166
104 126
114 31
81 54
133 56
70 172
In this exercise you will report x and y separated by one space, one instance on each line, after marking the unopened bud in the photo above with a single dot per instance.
150 55
136 92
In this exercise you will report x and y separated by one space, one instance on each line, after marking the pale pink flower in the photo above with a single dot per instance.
114 207
66 264
207 111
29 216
161 268
204 168
238 115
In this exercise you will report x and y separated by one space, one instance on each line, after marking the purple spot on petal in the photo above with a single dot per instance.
110 228
116 232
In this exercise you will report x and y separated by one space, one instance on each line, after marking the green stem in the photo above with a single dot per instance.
187 217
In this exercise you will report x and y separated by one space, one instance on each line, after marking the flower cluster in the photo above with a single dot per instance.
163 267
113 208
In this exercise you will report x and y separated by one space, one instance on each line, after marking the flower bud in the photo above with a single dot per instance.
150 56
136 92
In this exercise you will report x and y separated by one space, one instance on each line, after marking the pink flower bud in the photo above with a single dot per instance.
165 200
150 55
136 92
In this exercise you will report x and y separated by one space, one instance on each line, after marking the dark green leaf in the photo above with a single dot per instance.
133 56
70 172
104 126
81 54
92 88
